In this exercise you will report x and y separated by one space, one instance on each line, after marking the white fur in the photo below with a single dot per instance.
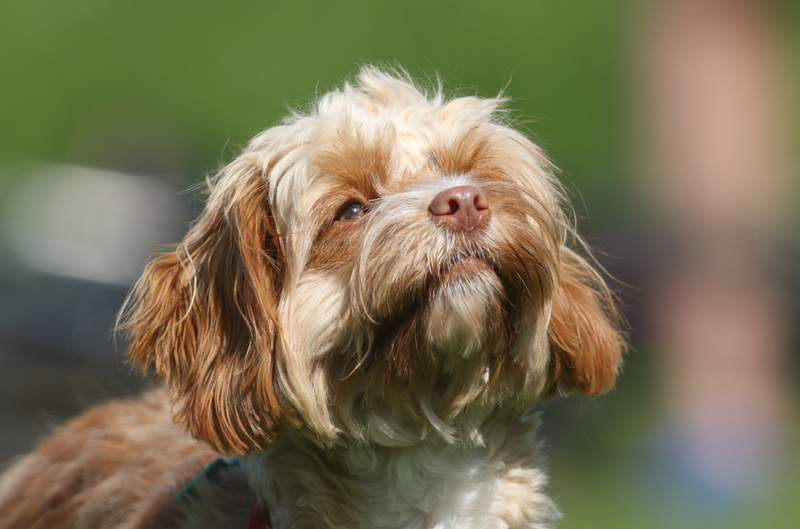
497 485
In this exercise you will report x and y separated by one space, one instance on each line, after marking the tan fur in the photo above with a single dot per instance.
373 372
117 465
216 292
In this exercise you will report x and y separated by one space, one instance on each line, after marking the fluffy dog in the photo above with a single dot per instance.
374 296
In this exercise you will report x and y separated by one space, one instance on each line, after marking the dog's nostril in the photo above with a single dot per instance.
481 202
461 207
453 207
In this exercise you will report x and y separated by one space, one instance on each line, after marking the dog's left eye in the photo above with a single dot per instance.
352 211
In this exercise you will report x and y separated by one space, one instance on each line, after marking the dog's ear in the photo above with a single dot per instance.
203 318
585 338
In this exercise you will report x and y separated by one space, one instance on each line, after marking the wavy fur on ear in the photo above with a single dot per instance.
585 338
203 317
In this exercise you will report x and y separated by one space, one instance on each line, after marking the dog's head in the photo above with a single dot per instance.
388 267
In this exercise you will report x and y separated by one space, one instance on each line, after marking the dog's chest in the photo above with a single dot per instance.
423 487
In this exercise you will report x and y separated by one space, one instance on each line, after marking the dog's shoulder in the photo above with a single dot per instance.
117 465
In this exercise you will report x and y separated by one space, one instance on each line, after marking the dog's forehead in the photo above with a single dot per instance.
382 152
355 148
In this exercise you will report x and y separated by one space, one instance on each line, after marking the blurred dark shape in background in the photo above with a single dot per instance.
674 122
89 224
73 239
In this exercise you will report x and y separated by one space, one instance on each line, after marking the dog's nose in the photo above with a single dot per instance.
461 207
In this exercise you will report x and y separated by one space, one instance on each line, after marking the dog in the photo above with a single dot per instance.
375 295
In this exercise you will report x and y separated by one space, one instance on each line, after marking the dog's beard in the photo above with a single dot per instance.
466 311
438 368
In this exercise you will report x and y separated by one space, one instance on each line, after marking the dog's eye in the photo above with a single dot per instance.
352 211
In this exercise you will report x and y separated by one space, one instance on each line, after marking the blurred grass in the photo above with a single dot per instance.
219 72
603 468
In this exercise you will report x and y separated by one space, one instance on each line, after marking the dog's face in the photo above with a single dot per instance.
389 268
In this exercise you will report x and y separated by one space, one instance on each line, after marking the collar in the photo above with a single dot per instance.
259 517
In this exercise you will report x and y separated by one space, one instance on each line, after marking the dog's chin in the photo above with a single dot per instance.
466 308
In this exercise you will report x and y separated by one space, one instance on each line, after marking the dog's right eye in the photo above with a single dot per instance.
350 212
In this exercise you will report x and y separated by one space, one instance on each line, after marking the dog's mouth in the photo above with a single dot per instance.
469 279
476 268
464 268
458 273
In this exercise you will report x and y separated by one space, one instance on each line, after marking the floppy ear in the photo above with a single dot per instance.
203 318
585 339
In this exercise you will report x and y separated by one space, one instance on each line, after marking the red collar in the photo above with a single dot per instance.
259 518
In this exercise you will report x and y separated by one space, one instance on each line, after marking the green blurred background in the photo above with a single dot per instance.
170 90
213 73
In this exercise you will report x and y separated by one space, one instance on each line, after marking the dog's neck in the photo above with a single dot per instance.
424 486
